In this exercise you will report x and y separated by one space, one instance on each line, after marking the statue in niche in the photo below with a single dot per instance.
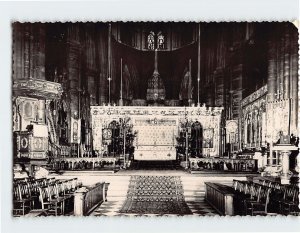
253 139
62 123
248 129
126 84
186 89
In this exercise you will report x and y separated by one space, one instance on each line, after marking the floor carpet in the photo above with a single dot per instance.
155 195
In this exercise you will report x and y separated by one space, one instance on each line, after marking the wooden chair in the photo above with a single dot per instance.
258 204
34 190
22 200
242 193
63 192
41 182
290 200
50 200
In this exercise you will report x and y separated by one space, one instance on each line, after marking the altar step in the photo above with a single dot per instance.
193 185
117 190
155 165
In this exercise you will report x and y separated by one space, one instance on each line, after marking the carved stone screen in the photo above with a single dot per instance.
157 128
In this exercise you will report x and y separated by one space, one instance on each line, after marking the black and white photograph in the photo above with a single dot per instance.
154 119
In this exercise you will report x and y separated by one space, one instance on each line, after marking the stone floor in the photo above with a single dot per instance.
193 184
111 208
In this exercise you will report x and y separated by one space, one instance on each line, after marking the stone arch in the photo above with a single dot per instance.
196 139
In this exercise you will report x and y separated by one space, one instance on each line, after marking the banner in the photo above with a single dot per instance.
232 131
75 130
208 135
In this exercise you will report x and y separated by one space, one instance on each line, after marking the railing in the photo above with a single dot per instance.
220 197
56 152
87 163
223 164
88 198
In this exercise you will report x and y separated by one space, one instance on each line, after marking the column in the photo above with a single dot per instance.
251 130
286 75
26 64
73 70
102 45
90 61
297 168
79 201
18 50
271 70
38 51
285 179
294 80
280 70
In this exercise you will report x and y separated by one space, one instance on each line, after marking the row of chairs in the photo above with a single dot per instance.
284 197
264 198
251 198
47 194
26 193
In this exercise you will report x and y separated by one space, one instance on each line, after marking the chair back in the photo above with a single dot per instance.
53 193
289 193
60 188
44 195
264 197
24 190
34 190
74 184
255 191
16 192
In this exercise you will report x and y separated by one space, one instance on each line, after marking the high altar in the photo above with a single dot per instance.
157 128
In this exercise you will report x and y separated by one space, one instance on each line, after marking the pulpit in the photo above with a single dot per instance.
284 151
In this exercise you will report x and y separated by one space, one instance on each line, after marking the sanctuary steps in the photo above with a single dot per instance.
193 184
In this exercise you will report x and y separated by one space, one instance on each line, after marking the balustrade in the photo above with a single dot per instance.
223 164
88 198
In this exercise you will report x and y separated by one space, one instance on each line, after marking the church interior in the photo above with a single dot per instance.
154 119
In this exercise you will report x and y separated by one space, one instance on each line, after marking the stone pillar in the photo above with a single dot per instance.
265 160
91 87
271 70
18 51
37 48
73 70
280 66
26 41
102 45
90 62
286 75
285 179
219 78
294 81
73 73
251 129
297 167
79 201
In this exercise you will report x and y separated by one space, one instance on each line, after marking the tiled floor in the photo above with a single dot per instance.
111 208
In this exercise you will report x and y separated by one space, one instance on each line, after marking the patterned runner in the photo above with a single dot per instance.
155 195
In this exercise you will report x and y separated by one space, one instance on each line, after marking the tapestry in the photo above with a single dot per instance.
208 136
155 195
